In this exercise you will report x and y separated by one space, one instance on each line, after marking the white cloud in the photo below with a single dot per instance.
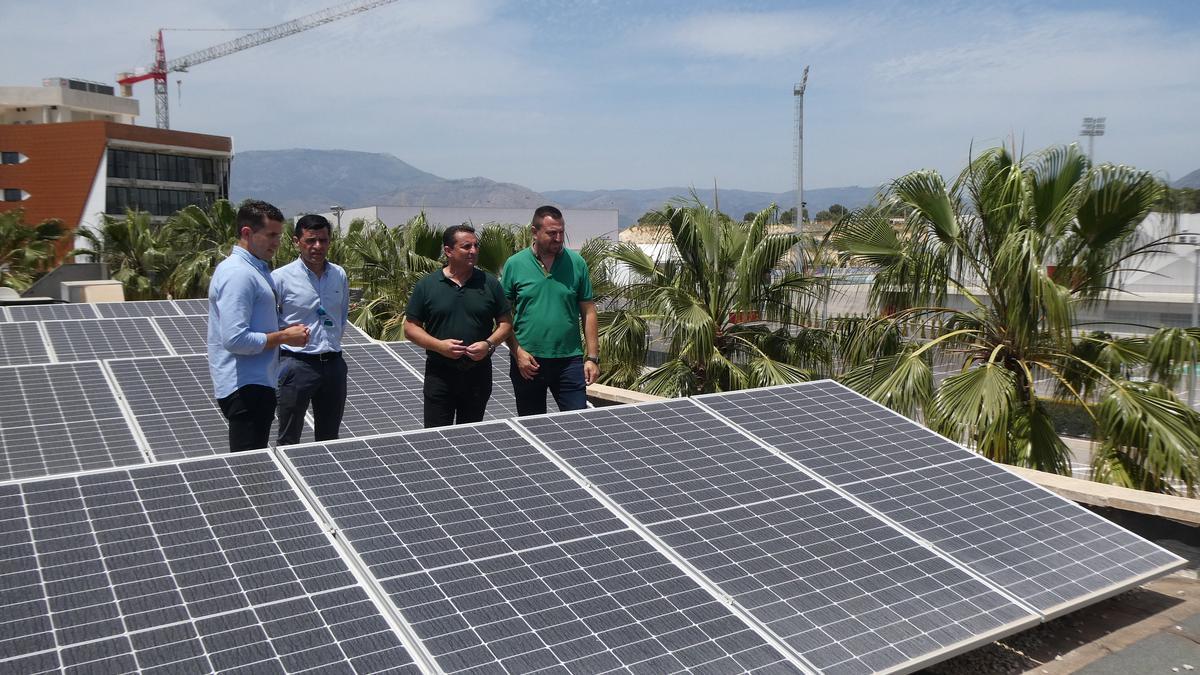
755 35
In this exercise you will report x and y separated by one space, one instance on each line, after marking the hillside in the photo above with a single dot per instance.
299 181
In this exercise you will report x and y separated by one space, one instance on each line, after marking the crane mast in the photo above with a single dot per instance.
161 67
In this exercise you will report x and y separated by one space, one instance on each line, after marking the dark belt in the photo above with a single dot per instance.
313 358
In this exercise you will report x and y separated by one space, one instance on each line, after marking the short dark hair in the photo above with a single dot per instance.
255 213
542 212
451 233
310 222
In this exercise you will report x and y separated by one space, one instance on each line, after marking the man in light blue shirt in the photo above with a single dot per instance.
244 330
314 293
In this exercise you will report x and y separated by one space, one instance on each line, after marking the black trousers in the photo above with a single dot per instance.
319 379
454 395
563 377
250 411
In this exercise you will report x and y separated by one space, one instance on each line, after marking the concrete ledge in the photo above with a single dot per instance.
602 395
1182 509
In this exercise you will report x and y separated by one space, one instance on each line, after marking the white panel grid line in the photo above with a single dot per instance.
163 336
136 308
475 470
130 418
84 339
52 312
1008 566
675 470
164 593
23 343
4 313
171 400
56 418
192 306
184 335
632 523
48 342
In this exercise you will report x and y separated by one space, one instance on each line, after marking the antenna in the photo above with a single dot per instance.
798 148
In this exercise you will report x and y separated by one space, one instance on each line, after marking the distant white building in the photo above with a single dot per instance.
582 224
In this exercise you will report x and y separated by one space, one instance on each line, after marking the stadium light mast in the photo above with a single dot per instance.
1092 127
798 94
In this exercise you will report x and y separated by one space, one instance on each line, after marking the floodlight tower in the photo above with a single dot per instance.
1092 127
798 149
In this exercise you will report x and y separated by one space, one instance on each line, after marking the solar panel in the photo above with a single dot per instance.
53 312
60 418
22 343
353 335
195 567
185 334
382 396
104 339
500 562
192 306
837 584
171 399
3 314
115 310
1045 550
503 402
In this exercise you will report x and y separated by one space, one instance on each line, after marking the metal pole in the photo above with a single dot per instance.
798 92
1195 322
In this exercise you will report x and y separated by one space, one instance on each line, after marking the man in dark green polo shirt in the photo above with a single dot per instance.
459 315
550 290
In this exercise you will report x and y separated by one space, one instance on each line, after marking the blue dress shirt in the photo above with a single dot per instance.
241 311
302 293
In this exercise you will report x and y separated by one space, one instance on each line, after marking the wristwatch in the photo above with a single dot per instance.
593 359
491 345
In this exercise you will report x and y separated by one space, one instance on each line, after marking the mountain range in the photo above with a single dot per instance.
306 181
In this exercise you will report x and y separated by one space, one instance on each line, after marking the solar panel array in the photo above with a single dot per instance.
500 562
801 528
834 582
1043 549
197 567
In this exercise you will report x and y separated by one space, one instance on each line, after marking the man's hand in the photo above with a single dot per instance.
478 351
526 364
295 335
591 373
451 348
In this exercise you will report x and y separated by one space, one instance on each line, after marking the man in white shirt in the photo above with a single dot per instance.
313 292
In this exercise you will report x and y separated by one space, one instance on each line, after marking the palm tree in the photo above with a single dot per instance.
25 250
994 266
724 297
136 251
205 237
386 262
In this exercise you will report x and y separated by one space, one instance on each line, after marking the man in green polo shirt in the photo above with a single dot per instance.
459 315
550 290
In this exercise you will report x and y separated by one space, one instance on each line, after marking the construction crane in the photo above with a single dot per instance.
161 67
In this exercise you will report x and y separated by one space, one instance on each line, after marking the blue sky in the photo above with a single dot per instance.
591 95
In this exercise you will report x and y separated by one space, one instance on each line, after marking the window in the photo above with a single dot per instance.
7 157
13 194
152 200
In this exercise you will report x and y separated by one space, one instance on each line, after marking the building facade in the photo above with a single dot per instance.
76 169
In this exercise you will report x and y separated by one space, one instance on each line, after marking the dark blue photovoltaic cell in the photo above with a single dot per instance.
1041 548
52 312
843 588
104 339
22 344
382 396
202 566
185 334
61 418
192 307
497 559
114 310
